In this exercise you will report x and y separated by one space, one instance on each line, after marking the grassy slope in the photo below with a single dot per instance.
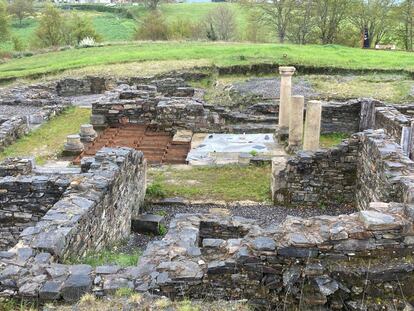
113 27
216 53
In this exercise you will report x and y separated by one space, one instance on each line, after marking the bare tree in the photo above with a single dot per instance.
221 23
374 16
277 13
21 8
329 15
303 22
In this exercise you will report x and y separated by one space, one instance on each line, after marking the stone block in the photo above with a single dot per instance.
147 223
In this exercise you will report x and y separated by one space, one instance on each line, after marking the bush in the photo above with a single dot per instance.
220 24
81 27
4 22
51 29
87 42
153 27
183 29
18 44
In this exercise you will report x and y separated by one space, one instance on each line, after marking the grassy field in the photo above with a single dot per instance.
47 141
114 27
219 54
227 183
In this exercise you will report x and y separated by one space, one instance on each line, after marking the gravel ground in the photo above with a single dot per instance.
14 111
264 214
269 88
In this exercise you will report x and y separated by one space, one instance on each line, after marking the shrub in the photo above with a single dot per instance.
182 29
51 29
87 42
4 22
220 24
81 27
152 27
18 44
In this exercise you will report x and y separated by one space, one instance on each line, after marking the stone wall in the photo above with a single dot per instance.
321 178
383 173
370 166
24 199
396 125
325 262
11 130
96 210
83 86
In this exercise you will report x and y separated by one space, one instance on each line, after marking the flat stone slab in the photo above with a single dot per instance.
147 223
183 136
378 221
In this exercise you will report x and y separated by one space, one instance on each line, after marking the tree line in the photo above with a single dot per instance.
337 21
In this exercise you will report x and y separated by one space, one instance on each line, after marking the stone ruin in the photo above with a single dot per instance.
360 261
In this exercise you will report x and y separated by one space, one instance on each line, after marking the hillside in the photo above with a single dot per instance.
328 58
115 27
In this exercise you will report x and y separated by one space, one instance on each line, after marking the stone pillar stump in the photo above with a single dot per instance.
312 125
297 104
73 145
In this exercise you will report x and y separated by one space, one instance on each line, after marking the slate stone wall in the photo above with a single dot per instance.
392 122
96 210
383 170
321 178
368 167
24 199
11 130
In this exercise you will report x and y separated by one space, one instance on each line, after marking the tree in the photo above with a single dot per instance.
81 27
21 8
221 22
4 22
152 4
152 27
374 16
328 16
303 22
278 13
405 31
50 31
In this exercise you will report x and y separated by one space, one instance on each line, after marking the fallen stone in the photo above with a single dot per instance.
147 223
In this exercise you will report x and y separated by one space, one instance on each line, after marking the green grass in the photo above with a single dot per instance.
17 305
108 257
47 141
227 183
220 54
332 139
385 87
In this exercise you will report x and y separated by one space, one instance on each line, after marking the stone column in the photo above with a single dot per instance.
297 104
286 74
73 145
312 125
87 133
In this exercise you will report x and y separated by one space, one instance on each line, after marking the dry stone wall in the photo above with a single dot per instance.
319 178
24 198
384 172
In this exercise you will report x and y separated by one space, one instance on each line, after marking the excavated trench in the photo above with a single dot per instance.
158 146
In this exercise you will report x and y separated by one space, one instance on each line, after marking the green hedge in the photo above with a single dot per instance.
123 11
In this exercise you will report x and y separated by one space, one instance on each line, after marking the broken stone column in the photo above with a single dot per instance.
73 145
87 133
312 125
284 104
297 104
